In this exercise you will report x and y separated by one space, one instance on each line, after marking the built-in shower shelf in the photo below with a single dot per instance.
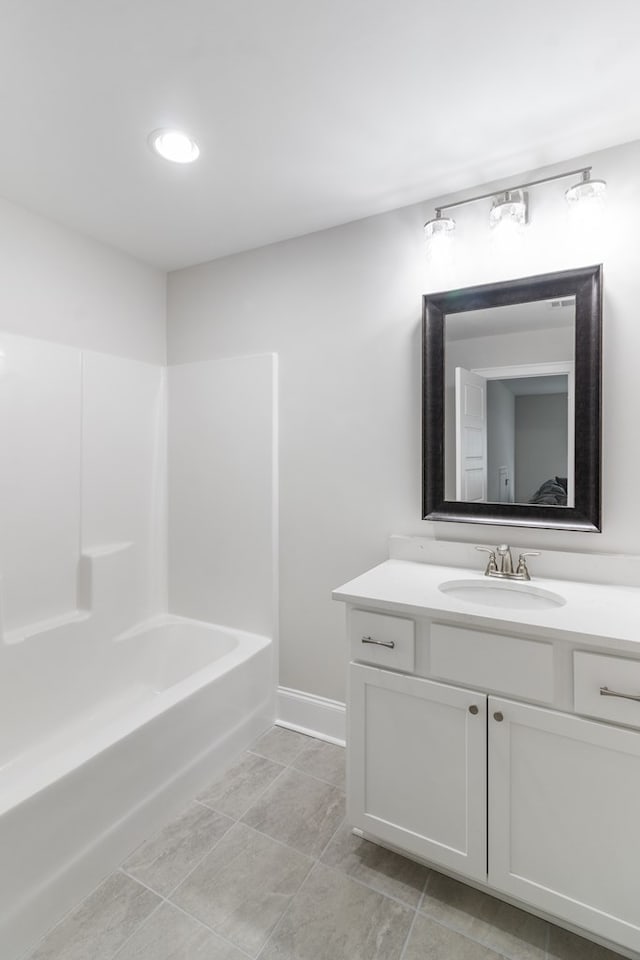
106 596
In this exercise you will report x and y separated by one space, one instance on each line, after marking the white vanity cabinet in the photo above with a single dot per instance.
564 826
464 751
418 767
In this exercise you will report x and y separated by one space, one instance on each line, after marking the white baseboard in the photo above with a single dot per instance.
314 716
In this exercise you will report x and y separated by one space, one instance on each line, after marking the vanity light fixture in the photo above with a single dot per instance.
439 226
174 145
509 206
512 206
586 189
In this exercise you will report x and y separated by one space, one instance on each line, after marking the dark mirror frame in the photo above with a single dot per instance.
585 284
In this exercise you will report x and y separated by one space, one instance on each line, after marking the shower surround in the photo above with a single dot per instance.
126 679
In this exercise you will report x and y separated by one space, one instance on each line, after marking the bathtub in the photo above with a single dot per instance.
101 743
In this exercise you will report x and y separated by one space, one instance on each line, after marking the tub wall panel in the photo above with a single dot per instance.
124 468
40 401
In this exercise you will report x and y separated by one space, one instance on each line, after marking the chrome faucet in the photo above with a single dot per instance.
500 563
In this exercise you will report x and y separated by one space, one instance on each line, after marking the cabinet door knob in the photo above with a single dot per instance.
473 709
498 716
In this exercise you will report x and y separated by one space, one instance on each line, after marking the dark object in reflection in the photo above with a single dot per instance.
552 492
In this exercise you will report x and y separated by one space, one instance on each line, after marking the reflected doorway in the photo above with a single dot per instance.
515 434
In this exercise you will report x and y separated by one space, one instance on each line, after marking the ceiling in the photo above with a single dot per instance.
512 318
308 114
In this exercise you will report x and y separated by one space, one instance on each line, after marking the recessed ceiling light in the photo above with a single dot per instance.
174 145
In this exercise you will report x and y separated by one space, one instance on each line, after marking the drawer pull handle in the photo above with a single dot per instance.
605 692
379 643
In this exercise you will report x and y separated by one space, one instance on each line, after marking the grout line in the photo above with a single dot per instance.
427 882
468 935
408 936
264 756
207 806
254 801
191 916
363 883
313 776
284 913
292 766
195 866
281 843
198 862
175 906
65 916
140 925
330 841
291 902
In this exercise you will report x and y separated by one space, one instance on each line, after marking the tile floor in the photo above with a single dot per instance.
262 865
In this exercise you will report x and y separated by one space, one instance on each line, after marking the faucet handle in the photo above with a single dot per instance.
522 570
492 565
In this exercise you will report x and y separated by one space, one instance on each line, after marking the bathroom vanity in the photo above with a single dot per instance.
494 733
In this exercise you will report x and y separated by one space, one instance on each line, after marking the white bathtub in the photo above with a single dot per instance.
102 743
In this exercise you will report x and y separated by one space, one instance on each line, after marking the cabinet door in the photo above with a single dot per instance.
564 817
417 767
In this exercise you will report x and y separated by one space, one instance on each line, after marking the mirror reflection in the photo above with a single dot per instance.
509 404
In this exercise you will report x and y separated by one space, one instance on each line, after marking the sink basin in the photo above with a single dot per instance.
504 594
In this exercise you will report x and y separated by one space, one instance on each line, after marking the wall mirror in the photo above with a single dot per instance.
511 402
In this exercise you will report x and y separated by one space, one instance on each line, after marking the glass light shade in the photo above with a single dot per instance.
586 190
439 226
509 207
174 145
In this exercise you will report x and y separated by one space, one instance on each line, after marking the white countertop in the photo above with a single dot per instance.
596 614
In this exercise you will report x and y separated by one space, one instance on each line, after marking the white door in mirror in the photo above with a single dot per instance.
471 436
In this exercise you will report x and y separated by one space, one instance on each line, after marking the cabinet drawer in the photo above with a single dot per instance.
594 671
493 661
378 638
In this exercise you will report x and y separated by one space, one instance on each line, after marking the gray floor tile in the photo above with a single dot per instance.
431 941
335 918
281 745
567 946
170 935
242 887
381 869
241 784
101 924
300 811
164 860
323 760
504 928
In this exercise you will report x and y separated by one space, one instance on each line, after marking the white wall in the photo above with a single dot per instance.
540 441
342 309
222 457
60 286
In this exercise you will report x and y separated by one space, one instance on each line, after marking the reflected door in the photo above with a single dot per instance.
471 435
